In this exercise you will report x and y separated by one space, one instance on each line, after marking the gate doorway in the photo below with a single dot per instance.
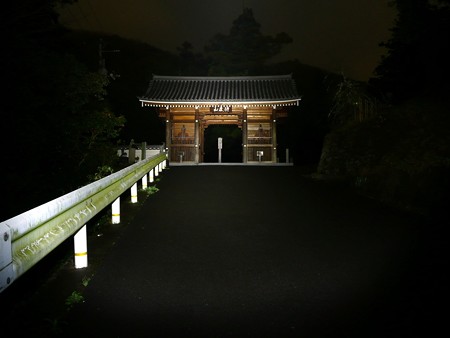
231 143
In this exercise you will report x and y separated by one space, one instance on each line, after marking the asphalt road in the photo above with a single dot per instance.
235 251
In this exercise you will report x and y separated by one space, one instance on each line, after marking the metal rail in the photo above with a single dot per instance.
27 238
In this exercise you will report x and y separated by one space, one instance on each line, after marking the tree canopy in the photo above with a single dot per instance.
58 122
418 50
244 49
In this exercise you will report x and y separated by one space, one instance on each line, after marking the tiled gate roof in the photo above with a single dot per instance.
167 90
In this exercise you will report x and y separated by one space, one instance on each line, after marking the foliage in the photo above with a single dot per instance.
418 50
102 171
85 281
135 63
151 190
244 48
345 100
402 156
64 118
351 102
191 63
74 298
57 109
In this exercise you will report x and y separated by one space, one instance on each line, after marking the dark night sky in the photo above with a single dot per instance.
340 36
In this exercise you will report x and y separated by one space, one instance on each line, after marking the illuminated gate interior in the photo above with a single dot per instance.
193 106
231 151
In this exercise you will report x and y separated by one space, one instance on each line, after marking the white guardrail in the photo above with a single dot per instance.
27 238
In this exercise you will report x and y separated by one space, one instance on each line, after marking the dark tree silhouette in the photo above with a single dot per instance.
244 49
191 63
57 123
418 50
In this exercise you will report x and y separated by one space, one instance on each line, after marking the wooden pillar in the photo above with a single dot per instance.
168 134
274 136
202 140
244 136
196 137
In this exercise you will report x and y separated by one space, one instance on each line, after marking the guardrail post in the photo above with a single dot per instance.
115 211
144 181
151 176
80 244
134 196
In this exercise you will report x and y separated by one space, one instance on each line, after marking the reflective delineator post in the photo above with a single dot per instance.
151 176
80 245
115 211
144 182
134 196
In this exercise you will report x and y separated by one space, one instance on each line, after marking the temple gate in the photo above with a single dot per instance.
189 105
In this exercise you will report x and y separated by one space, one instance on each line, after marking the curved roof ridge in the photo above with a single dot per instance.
201 89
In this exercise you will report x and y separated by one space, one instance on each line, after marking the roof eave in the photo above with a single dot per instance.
156 103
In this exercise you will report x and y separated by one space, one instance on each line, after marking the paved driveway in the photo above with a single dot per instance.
235 251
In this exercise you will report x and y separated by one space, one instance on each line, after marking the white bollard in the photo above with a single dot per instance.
134 196
156 171
144 182
151 176
115 210
80 245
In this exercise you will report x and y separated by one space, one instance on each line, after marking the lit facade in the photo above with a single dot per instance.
189 105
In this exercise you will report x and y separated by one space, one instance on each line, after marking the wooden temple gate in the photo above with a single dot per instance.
189 105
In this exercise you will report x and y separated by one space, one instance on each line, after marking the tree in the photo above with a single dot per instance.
244 49
351 102
418 50
191 63
54 110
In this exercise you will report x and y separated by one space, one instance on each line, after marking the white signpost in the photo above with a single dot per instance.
260 154
219 146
